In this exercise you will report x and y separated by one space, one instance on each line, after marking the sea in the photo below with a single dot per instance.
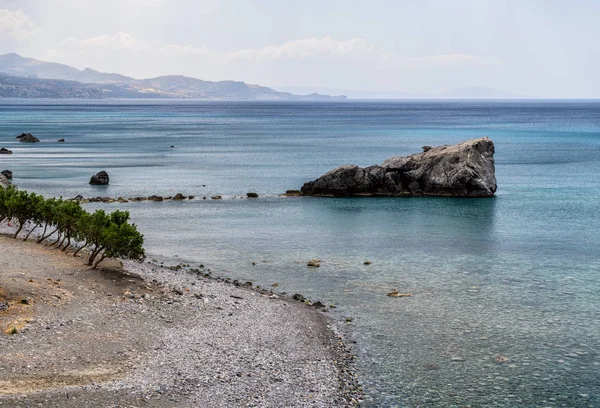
505 305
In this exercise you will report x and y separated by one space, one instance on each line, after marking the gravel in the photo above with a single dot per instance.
159 337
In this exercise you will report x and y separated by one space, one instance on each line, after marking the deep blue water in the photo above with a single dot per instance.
516 275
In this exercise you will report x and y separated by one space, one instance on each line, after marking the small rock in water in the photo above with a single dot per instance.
395 293
252 195
217 197
100 178
367 263
28 138
457 359
61 140
501 359
293 193
314 263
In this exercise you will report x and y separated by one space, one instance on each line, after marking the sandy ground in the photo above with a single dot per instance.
154 337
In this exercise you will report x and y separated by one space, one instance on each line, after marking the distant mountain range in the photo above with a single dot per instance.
467 92
30 78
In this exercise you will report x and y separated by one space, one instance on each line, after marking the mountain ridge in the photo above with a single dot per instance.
31 78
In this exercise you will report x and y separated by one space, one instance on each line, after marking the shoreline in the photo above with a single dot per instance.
162 336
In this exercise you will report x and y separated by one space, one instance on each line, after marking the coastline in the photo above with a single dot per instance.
159 337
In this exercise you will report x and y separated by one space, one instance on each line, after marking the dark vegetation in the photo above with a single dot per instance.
68 226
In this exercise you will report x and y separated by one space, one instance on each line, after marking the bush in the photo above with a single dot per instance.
105 235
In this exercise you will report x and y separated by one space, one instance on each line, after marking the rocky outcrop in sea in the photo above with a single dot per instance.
462 170
27 138
100 179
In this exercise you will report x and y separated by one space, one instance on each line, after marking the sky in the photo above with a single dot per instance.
539 48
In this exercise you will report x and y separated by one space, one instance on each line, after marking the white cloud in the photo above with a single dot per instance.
322 61
16 25
102 43
326 47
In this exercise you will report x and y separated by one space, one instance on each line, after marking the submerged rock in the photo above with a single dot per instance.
314 263
462 170
27 138
293 193
100 179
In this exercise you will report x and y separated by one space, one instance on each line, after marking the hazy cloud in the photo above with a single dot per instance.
325 48
103 43
16 25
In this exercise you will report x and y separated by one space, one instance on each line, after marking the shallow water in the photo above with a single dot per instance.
515 276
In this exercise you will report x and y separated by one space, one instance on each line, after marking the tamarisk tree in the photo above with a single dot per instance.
104 235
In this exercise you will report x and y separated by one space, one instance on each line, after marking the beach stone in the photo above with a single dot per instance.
27 138
7 173
100 179
466 169
4 150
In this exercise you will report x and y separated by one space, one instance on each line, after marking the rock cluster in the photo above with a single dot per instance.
100 179
462 170
177 197
27 138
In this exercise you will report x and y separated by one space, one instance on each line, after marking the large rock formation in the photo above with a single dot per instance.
462 170
27 138
100 179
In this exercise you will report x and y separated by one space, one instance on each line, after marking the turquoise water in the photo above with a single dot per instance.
515 276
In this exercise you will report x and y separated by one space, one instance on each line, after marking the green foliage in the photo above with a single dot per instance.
106 235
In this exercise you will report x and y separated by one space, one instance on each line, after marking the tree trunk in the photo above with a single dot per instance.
18 230
68 243
29 233
62 241
80 248
43 237
93 255
43 232
100 260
